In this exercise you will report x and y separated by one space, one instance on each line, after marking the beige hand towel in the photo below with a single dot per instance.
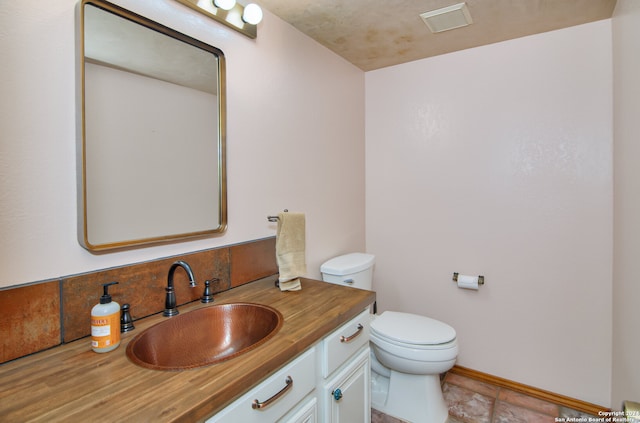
290 250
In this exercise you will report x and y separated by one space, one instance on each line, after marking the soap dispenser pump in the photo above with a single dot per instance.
105 323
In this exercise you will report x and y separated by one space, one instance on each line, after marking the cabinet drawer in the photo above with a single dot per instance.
344 342
300 371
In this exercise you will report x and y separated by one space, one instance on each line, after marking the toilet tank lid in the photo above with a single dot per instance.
347 264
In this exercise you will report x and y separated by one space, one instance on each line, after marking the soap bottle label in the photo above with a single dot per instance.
105 330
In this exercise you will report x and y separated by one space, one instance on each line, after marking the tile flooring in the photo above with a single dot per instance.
472 401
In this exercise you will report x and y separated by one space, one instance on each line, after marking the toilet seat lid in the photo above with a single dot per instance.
412 329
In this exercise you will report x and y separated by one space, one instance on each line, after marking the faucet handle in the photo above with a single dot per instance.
126 322
207 296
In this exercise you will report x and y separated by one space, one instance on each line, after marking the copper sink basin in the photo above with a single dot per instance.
204 336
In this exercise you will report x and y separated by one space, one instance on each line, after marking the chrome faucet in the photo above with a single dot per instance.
170 307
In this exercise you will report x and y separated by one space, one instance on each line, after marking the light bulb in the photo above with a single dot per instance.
252 14
225 4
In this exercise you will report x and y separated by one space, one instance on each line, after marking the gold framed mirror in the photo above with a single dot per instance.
151 159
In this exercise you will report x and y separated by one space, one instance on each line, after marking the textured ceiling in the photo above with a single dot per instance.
374 34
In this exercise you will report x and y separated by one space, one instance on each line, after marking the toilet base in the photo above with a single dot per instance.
414 398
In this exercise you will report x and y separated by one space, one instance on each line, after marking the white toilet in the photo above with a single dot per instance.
409 351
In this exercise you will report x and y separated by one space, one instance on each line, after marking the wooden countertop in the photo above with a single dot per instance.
71 383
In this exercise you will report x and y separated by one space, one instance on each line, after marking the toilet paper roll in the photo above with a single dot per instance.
468 282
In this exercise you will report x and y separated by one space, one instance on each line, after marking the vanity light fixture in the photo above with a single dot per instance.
243 19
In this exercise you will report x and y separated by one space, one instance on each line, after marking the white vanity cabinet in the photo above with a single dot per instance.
278 395
328 383
344 382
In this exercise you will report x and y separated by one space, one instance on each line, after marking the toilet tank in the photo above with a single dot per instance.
355 270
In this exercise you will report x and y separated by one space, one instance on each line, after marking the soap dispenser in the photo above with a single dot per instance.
105 323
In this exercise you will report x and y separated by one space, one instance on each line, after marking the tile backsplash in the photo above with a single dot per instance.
48 313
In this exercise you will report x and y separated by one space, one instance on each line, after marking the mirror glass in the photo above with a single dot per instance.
152 160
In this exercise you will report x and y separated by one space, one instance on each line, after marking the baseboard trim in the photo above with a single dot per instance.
562 400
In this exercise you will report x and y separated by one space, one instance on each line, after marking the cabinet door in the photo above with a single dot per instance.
347 396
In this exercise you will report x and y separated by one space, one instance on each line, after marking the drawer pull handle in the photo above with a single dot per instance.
257 405
352 337
337 394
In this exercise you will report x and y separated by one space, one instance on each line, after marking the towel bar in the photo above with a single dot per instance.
274 218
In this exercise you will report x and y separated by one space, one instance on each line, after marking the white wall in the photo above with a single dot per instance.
498 161
295 139
626 287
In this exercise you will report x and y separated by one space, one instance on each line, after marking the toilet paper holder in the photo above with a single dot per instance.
480 278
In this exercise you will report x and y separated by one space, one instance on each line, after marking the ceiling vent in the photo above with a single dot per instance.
450 17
